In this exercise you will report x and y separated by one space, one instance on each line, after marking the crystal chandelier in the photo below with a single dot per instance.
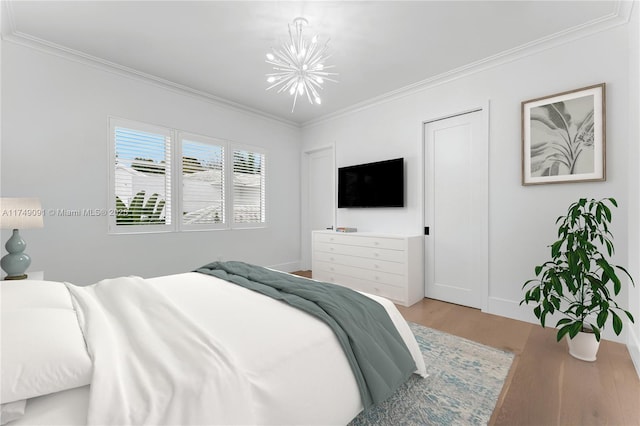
299 65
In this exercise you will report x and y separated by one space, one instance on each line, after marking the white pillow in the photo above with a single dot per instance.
42 347
34 294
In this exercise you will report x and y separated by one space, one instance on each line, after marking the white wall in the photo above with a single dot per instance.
54 146
634 185
521 218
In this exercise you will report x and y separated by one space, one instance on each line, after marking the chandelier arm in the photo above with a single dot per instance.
307 90
278 83
313 89
287 57
314 83
311 52
292 85
295 98
326 76
320 53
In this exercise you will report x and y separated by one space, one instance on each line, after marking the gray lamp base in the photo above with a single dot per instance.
15 277
16 262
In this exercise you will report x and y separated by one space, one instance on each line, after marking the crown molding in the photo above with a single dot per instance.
48 47
620 16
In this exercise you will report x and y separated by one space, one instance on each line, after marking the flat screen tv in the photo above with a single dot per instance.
379 184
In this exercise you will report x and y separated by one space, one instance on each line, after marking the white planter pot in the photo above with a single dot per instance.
584 346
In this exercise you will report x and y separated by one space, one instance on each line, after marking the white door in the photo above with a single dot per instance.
321 189
456 209
318 197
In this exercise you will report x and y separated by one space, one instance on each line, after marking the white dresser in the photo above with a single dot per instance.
387 265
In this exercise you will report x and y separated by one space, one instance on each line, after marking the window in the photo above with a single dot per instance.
203 182
248 187
165 180
141 199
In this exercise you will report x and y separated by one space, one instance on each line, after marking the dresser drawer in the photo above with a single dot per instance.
396 280
367 252
396 294
355 240
374 264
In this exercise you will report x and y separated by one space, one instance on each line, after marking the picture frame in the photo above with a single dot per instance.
563 137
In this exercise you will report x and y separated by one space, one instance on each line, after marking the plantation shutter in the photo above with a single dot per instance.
203 182
142 175
248 187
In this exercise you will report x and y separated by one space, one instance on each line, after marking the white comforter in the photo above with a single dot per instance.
193 349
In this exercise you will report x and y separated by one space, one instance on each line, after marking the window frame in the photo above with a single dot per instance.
247 225
113 227
175 203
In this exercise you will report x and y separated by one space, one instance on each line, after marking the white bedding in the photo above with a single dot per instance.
293 368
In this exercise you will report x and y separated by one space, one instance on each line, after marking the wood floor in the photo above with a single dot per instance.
545 386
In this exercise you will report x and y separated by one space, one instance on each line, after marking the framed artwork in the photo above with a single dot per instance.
563 137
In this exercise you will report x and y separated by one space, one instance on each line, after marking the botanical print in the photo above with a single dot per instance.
562 138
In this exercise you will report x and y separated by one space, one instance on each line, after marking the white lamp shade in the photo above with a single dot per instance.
20 213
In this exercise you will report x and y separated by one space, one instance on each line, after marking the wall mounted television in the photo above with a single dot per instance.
379 184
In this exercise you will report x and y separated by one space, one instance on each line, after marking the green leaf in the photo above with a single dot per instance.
617 323
596 331
563 321
627 273
575 328
563 331
607 212
629 315
535 294
602 318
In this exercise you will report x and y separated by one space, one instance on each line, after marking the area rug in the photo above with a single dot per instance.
464 383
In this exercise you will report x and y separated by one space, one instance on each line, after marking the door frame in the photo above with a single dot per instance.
483 274
305 235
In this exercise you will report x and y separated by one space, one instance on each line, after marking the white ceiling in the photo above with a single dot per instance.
218 48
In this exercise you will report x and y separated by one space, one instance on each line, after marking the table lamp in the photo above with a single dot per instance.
18 213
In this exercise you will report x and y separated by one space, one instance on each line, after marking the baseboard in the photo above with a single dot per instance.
633 345
286 267
512 309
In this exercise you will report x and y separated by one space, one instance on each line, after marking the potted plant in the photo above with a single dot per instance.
579 282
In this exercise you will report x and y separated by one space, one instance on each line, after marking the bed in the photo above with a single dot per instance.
273 364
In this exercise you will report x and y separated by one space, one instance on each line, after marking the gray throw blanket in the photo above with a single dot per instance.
377 354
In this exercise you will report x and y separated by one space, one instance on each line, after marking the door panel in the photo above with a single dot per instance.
455 209
321 189
318 197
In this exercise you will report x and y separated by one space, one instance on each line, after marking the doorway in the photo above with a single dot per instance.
318 196
456 209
